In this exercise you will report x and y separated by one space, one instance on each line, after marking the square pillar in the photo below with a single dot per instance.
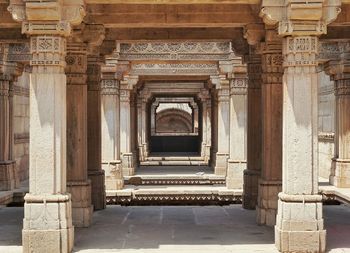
237 162
95 172
126 145
110 133
299 223
223 126
78 183
206 124
340 72
254 125
47 223
270 181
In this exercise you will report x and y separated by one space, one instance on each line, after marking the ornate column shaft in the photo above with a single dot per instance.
299 222
78 185
237 162
254 124
223 121
144 134
340 73
95 172
206 131
48 210
270 181
126 147
110 118
8 172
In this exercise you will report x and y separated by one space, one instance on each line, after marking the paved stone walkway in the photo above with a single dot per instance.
176 229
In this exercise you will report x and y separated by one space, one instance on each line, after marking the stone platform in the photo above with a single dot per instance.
174 175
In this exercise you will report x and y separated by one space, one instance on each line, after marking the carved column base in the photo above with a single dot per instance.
267 202
47 224
299 224
114 177
81 202
128 160
98 191
250 189
221 164
340 173
8 176
234 178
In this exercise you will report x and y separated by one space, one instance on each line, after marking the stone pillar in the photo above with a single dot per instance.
78 185
144 133
126 146
270 181
237 162
139 129
299 222
47 224
206 130
340 72
110 132
95 172
223 125
8 173
252 173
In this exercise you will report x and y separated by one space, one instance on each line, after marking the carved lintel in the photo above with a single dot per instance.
305 17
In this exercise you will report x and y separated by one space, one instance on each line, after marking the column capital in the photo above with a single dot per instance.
44 17
299 18
254 33
339 67
76 62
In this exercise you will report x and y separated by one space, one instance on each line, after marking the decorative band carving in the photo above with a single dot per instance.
109 87
342 87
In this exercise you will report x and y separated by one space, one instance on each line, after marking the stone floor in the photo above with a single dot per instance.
174 229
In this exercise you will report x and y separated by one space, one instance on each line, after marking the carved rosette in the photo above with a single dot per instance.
76 64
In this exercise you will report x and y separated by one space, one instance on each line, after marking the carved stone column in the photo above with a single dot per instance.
47 224
223 125
299 222
95 172
8 172
237 162
78 185
254 124
340 73
126 148
111 162
270 182
142 124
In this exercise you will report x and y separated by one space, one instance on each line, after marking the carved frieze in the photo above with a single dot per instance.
174 69
342 87
190 50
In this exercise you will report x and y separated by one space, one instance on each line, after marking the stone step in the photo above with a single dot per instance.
175 179
174 195
174 163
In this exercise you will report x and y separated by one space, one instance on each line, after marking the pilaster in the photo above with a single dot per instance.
237 162
340 72
206 124
299 222
270 181
110 129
